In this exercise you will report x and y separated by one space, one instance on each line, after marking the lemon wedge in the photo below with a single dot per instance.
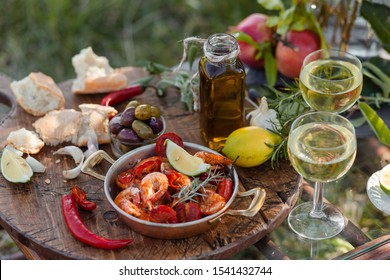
384 179
184 162
14 168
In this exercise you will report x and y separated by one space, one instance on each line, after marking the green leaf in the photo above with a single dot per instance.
243 37
378 15
285 20
271 71
272 21
271 4
377 124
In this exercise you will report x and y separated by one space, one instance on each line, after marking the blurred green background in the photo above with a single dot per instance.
44 35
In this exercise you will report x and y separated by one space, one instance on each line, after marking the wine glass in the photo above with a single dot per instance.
331 80
322 148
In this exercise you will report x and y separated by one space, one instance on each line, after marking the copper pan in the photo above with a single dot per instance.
159 230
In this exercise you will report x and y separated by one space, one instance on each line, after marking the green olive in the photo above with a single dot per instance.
155 111
142 129
143 112
133 103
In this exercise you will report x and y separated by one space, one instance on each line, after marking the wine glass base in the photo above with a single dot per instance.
331 224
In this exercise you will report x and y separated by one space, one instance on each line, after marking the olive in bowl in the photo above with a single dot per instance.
134 128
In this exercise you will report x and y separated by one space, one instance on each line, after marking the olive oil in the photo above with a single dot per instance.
221 90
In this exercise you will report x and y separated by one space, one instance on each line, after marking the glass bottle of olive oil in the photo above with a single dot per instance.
221 90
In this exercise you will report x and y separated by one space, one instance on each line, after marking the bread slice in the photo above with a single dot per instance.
59 126
38 94
74 126
25 141
94 74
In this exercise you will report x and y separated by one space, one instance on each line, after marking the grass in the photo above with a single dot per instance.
40 35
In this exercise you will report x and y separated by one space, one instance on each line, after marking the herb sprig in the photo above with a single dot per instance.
188 192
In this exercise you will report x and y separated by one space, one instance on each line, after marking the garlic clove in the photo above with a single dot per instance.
78 157
35 165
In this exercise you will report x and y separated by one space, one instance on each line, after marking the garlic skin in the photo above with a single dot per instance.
264 117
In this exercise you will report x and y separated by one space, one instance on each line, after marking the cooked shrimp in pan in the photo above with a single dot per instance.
213 159
177 180
153 187
211 203
128 200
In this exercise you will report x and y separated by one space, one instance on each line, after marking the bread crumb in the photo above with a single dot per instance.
47 181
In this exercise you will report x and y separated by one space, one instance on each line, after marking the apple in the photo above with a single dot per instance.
289 58
255 26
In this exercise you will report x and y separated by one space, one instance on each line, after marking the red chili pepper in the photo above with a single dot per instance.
81 199
81 232
118 96
225 188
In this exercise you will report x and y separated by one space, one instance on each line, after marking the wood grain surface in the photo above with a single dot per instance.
31 212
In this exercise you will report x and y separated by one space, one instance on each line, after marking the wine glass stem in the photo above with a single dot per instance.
317 212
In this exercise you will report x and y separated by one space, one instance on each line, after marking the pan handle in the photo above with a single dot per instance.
253 209
94 160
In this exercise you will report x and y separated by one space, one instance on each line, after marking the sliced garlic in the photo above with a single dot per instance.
78 157
35 165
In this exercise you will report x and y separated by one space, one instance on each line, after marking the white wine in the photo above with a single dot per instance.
322 152
330 85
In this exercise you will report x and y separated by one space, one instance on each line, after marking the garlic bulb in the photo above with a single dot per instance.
264 117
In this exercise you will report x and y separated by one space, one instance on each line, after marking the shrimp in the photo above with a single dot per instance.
176 179
153 187
128 199
213 159
211 202
125 179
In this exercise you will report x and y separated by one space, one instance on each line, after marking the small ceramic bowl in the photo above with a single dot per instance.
120 148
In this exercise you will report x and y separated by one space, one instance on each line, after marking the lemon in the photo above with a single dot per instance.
384 179
184 162
14 168
250 146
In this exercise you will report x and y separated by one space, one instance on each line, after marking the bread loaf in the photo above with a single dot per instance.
94 74
59 126
74 126
38 94
95 117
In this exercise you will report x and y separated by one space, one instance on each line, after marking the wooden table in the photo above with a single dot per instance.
31 212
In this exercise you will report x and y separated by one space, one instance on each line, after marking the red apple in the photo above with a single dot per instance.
289 58
255 26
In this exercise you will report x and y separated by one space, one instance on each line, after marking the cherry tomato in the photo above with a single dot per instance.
187 212
163 214
146 166
81 199
125 178
225 188
160 146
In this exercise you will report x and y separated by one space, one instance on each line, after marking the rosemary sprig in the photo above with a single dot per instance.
289 104
194 189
